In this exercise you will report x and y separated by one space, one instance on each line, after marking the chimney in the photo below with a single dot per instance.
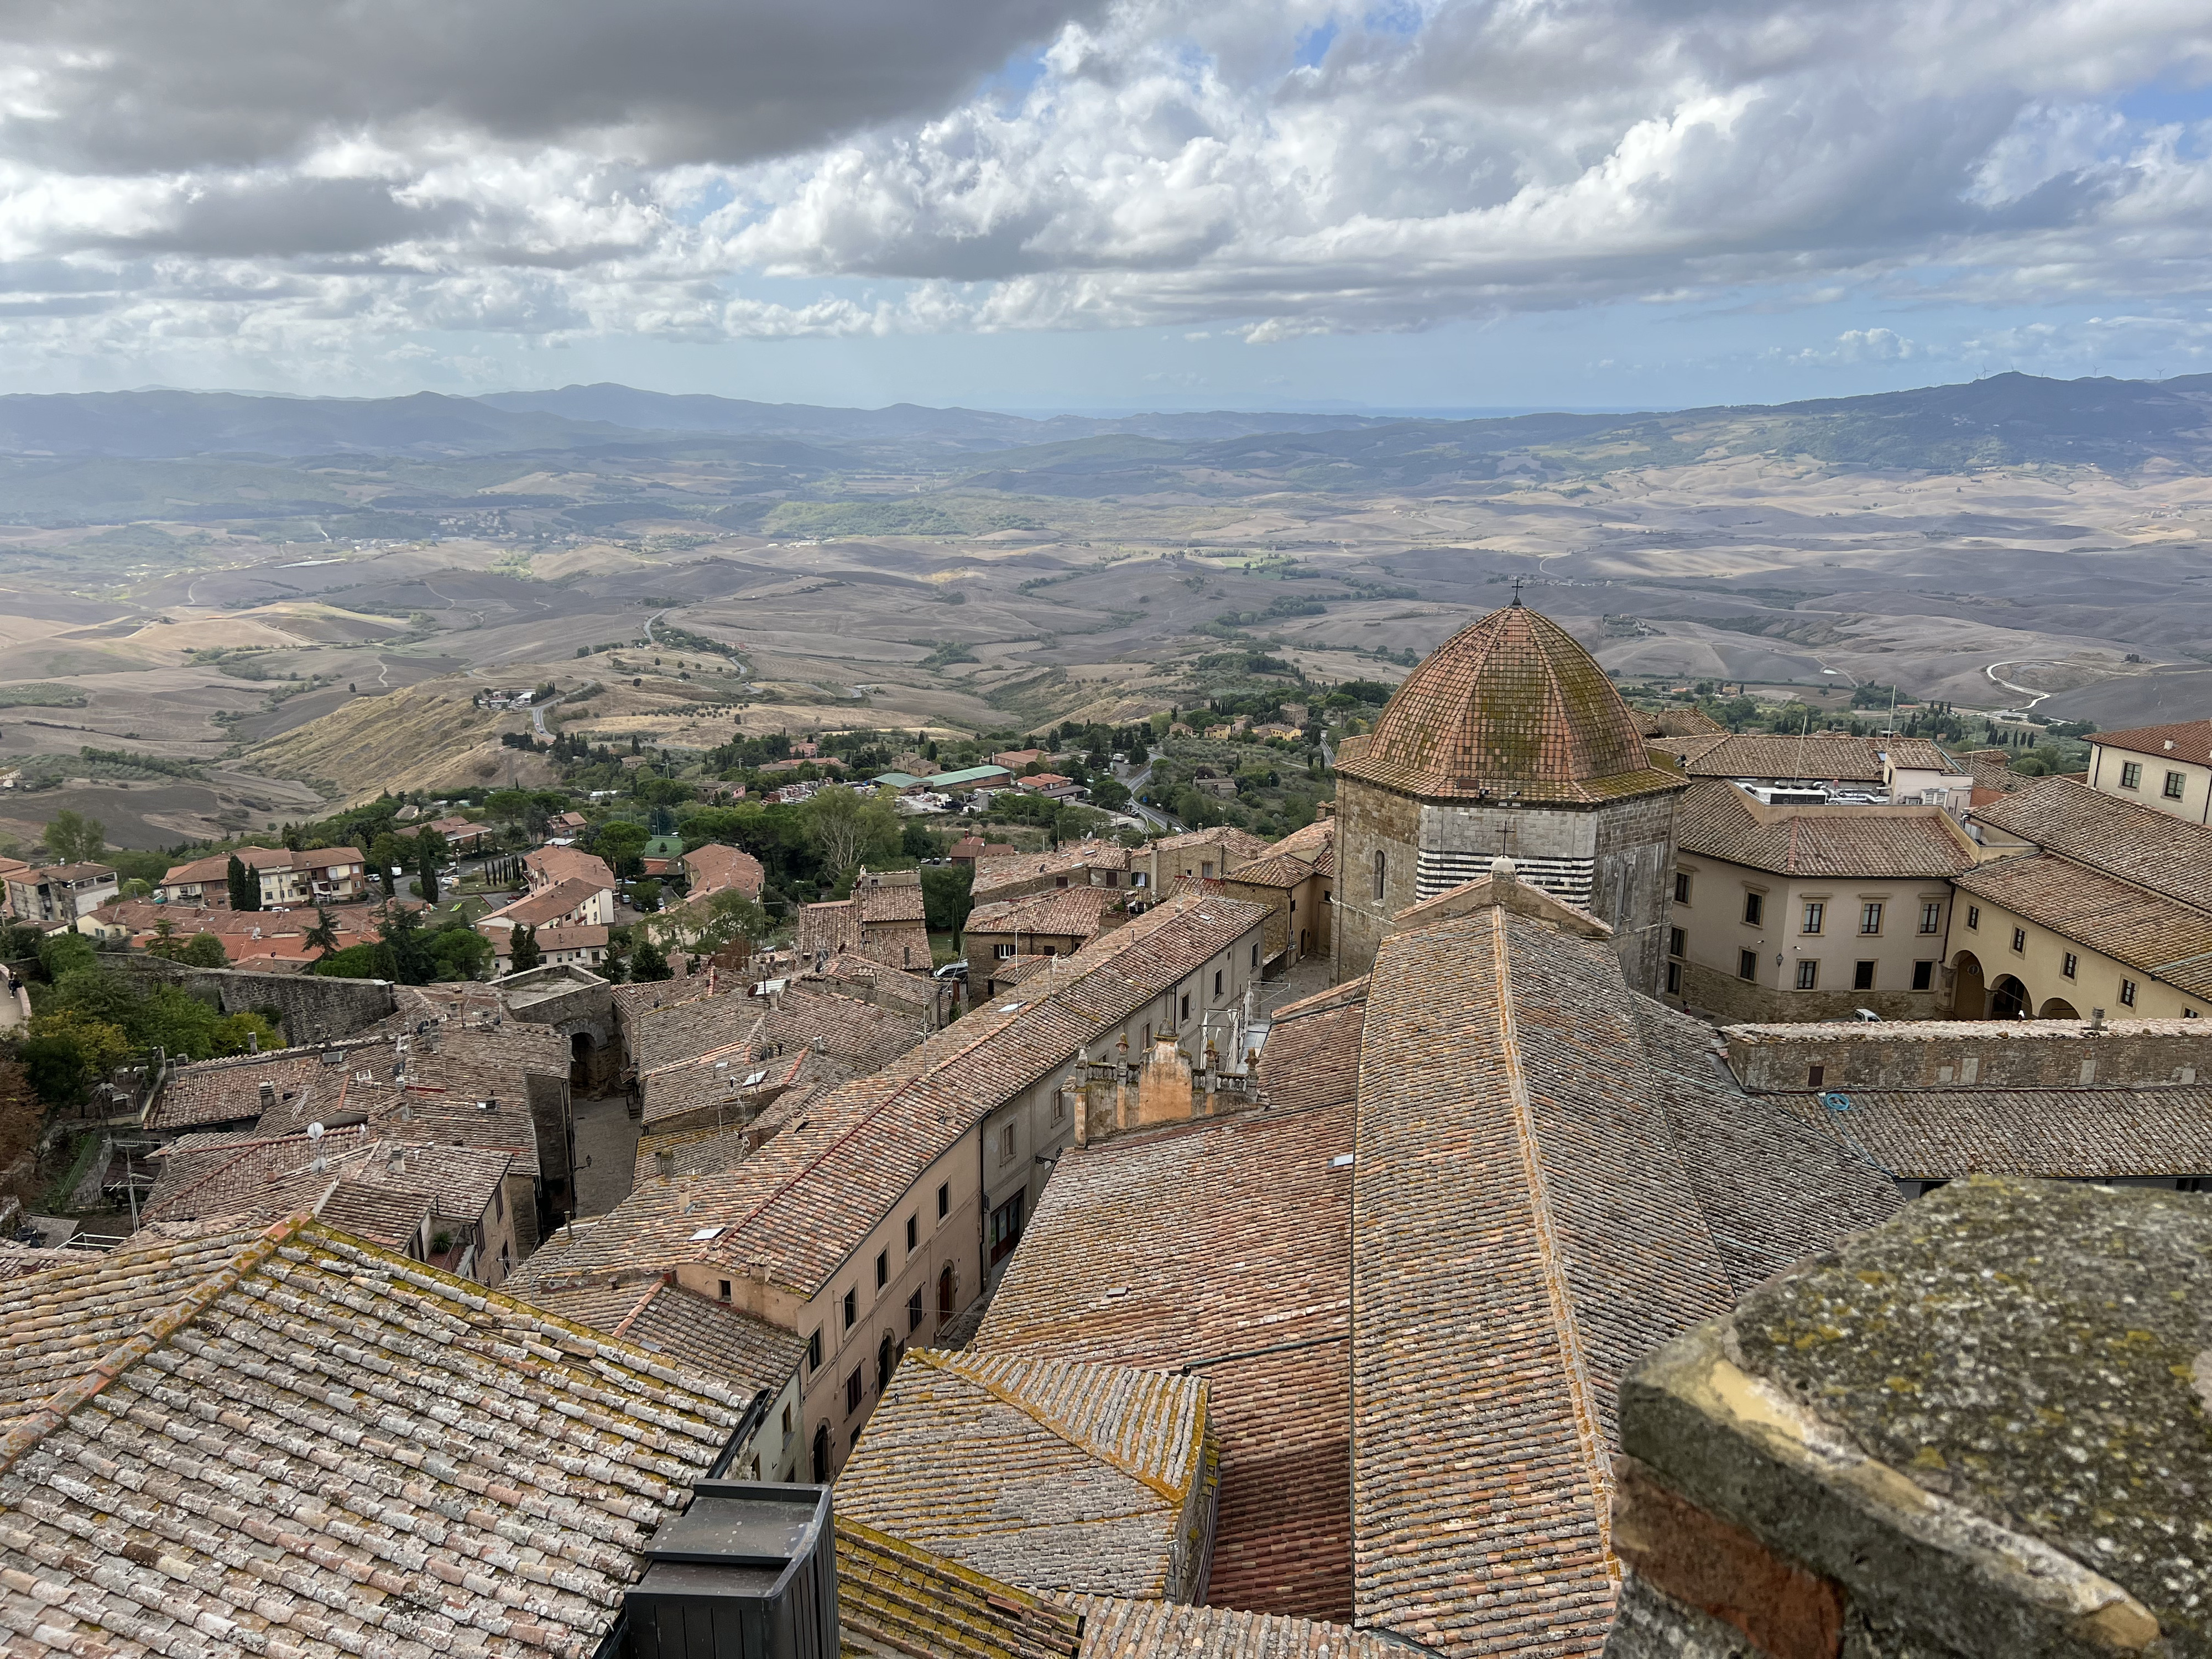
663 1165
406 1111
268 1096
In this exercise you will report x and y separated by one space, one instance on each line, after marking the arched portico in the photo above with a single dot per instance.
2008 998
2057 1008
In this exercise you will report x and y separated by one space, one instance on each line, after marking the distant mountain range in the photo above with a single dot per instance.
2003 418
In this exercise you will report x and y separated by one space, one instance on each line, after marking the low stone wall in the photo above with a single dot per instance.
2018 1054
313 1008
1726 999
1894 1453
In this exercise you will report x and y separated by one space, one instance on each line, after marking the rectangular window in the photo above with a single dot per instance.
2020 938
2127 993
1255 944
1217 982
1754 908
853 1391
1746 964
2070 966
1185 1007
1816 914
944 1199
1863 977
1206 869
1006 1145
852 1308
1931 915
1813 1074
1676 942
1870 916
1923 975
1808 975
1973 915
2175 783
1681 887
814 1350
1002 951
1006 1226
913 1232
883 1269
1673 979
2130 775
914 1311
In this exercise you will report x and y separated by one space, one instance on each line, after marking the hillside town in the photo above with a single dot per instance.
1478 1168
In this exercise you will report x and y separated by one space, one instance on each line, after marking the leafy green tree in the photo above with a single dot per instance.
646 896
323 937
621 845
62 954
647 961
522 950
848 827
401 930
731 916
945 895
460 953
245 886
387 852
204 951
73 838
68 1051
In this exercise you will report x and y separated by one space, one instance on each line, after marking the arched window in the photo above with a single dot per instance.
822 1454
1382 869
885 1361
944 1293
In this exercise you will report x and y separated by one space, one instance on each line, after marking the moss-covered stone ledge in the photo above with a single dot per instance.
1983 1431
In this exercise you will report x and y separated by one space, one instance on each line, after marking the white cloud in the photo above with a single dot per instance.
254 178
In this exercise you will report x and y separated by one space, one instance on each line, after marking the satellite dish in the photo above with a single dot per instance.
314 1131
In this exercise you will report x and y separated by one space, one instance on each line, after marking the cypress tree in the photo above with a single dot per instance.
245 886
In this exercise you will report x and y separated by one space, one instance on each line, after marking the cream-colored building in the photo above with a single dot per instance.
2167 769
2089 900
1785 913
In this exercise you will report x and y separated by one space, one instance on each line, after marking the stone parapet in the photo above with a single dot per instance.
1937 1053
1983 1431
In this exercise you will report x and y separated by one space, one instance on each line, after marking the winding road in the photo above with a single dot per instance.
2032 695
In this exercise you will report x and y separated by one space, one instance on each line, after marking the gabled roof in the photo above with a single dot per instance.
2167 939
1552 1177
1049 1473
2051 1135
1224 1244
560 863
1510 708
1718 820
2182 740
298 1442
724 1341
548 904
714 867
2140 844
1059 912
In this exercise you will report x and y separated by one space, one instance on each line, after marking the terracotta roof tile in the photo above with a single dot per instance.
1046 1472
1718 820
308 1445
2053 1135
2184 740
2169 940
898 1597
1511 706
1192 1245
1079 913
2140 844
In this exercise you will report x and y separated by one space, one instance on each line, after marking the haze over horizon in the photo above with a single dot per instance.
1106 205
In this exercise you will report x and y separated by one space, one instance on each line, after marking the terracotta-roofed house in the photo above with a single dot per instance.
549 866
419 1463
1004 873
2091 901
571 903
1051 923
57 895
885 920
207 881
1294 878
715 868
2168 768
1810 912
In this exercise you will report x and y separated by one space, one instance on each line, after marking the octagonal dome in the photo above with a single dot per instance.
1508 708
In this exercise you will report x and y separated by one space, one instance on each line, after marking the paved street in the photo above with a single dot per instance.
606 1153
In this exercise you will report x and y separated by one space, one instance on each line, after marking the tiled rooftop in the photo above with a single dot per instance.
547 905
1552 1177
1510 707
1205 1244
2184 740
725 1342
2140 844
2169 940
1077 913
1815 758
1046 1472
2055 1135
298 1444
560 864
1718 820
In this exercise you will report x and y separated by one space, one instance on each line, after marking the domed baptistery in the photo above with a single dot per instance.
1509 740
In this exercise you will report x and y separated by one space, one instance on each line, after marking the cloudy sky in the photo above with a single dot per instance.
1096 203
